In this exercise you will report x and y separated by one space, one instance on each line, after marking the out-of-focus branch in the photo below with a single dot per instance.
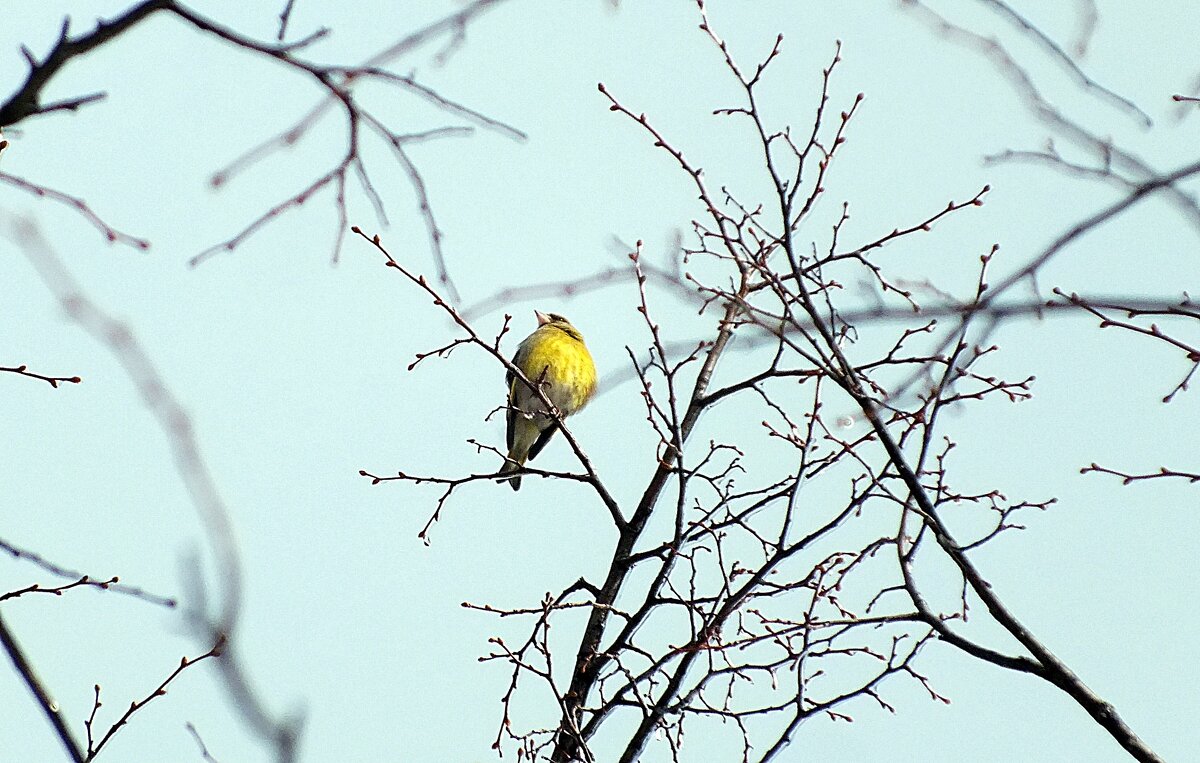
79 205
119 340
987 300
338 82
1064 59
284 17
1144 190
1111 158
168 412
574 287
204 753
112 584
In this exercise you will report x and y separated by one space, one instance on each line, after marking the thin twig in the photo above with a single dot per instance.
53 381
161 690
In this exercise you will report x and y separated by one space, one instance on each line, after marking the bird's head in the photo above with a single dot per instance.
554 320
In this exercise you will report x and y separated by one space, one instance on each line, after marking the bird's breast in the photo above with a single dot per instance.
564 365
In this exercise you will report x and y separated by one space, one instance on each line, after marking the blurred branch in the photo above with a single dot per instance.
26 101
120 341
204 753
992 313
338 82
79 205
574 287
1089 18
429 95
112 584
1111 157
1064 59
284 16
169 414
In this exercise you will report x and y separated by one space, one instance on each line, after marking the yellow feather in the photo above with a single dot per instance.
570 374
555 357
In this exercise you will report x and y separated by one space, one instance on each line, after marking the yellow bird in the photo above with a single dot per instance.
555 356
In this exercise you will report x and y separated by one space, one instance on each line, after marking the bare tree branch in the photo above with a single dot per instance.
45 702
93 749
1064 59
79 205
53 381
112 584
168 412
337 82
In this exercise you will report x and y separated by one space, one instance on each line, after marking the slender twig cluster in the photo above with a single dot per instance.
337 82
94 745
1183 313
786 557
340 86
788 572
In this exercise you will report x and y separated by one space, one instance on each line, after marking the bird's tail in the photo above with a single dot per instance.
522 437
512 465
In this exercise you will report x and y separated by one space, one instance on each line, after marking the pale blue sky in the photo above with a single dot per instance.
294 371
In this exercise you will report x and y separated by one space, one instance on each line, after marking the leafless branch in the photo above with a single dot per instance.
1065 60
284 17
112 584
337 83
170 415
1110 156
53 381
204 753
492 349
110 233
184 664
41 695
1126 479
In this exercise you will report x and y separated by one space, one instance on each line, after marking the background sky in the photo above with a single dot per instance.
294 371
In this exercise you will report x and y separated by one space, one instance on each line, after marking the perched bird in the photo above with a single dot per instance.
555 357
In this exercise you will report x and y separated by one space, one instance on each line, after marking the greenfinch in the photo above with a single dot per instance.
555 357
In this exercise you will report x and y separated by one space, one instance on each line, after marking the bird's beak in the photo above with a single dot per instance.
542 318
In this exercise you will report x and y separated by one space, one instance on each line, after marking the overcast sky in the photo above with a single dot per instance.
293 370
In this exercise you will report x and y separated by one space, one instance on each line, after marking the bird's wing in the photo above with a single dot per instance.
542 439
511 415
510 381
